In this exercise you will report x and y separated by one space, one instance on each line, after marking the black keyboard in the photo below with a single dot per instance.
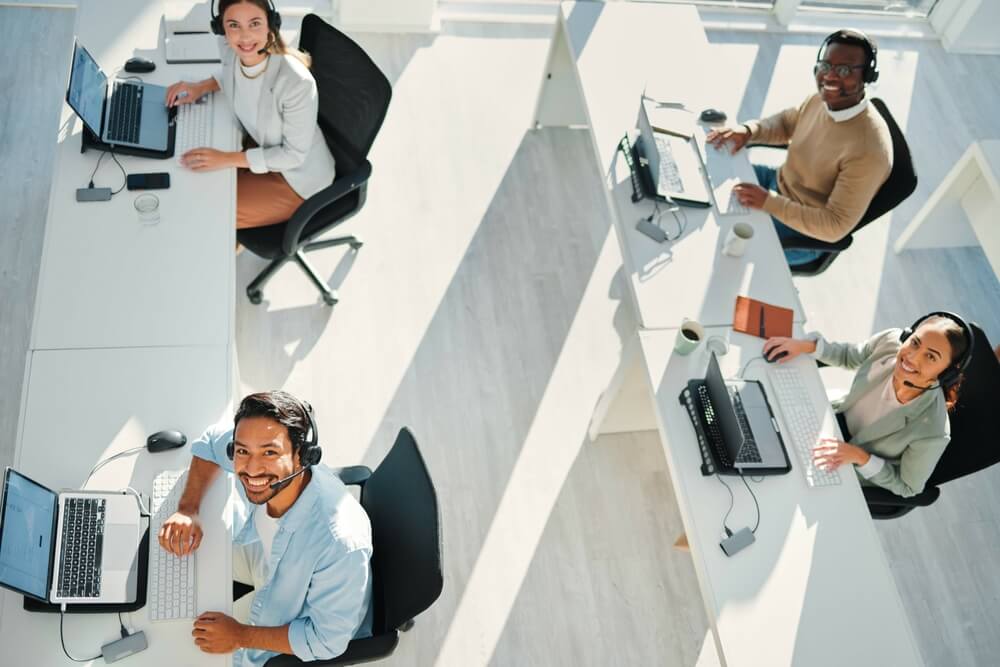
82 542
748 453
124 113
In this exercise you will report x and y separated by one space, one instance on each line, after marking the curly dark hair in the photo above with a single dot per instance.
280 406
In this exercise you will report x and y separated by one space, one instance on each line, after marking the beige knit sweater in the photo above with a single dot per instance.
832 170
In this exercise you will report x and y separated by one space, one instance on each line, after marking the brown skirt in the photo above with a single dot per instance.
263 199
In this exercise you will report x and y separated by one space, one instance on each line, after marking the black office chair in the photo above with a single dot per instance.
900 184
406 544
974 442
353 99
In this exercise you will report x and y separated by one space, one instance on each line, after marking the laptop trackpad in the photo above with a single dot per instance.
120 546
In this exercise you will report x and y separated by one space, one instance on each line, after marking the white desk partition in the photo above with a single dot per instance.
815 588
962 210
82 406
107 279
602 58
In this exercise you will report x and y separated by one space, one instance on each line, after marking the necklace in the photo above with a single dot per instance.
254 76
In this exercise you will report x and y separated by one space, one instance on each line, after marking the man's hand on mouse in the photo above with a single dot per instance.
736 137
181 533
214 632
792 348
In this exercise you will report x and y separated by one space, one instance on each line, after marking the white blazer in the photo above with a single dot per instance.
289 139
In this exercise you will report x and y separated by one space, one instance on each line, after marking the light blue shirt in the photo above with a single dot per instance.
317 578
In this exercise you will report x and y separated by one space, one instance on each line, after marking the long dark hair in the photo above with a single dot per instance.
275 44
959 347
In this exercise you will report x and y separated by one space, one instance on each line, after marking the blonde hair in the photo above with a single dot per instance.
275 43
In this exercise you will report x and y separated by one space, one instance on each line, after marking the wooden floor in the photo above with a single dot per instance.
485 312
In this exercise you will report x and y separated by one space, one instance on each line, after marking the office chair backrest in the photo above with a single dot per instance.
406 561
353 93
902 180
974 441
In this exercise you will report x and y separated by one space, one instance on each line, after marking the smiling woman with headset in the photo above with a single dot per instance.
286 159
895 417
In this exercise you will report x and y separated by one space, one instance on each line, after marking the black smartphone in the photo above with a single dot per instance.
157 181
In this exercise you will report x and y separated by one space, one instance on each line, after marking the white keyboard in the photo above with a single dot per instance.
802 426
194 126
729 204
722 170
171 594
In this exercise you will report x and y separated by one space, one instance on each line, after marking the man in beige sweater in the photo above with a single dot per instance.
839 149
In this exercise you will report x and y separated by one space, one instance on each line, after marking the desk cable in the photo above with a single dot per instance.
673 209
114 157
143 511
62 640
732 502
743 370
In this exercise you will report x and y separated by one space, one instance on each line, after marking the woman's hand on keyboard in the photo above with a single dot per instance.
209 159
184 92
736 137
180 534
830 454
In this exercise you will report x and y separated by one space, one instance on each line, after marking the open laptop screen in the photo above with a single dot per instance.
722 404
87 89
26 535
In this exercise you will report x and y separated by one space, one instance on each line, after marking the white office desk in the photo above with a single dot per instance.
106 279
602 58
82 406
815 588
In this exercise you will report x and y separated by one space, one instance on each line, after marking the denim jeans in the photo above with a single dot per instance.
768 179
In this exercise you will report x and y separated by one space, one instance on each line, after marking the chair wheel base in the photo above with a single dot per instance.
255 296
406 627
357 243
330 299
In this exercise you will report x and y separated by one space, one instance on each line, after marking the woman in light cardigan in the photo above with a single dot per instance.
895 417
274 97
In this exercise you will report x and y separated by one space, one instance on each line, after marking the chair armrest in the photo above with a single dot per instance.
356 475
876 495
341 187
815 244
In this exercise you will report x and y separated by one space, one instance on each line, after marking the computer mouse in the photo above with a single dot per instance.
713 116
161 441
139 65
776 357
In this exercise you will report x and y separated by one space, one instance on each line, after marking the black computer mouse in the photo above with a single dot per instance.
161 441
713 116
139 65
775 357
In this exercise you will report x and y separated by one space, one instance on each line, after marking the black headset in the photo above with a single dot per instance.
309 451
273 19
870 74
953 373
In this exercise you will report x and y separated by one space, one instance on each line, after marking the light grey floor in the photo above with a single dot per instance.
464 312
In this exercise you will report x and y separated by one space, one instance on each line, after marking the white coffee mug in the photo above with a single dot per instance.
737 238
689 336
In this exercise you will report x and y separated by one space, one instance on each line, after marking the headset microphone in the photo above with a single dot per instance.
916 386
281 482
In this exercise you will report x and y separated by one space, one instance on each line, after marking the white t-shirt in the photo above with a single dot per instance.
247 96
267 528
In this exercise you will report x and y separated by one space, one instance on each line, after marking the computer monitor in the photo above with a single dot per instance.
88 87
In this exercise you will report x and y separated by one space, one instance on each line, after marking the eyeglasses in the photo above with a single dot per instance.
823 67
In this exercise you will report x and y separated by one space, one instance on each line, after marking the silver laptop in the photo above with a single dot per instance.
71 547
673 163
748 429
132 113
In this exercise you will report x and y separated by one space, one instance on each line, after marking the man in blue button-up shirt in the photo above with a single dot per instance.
299 536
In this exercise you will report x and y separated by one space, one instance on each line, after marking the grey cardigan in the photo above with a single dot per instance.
911 438
289 139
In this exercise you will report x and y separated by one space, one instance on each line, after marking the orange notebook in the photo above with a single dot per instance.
761 319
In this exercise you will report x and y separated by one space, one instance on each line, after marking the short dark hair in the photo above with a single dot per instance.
853 38
280 406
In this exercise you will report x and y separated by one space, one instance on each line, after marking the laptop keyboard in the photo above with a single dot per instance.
802 426
125 113
748 452
82 544
670 175
171 593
